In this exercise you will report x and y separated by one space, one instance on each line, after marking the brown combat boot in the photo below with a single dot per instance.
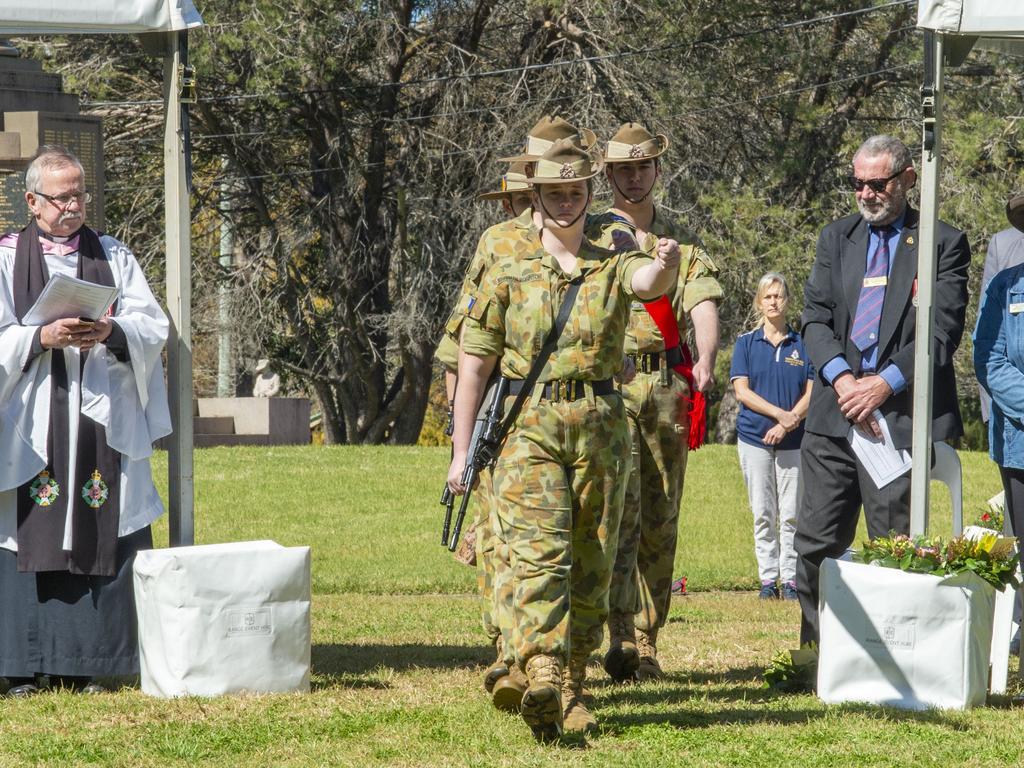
647 645
508 690
576 718
542 702
498 669
622 659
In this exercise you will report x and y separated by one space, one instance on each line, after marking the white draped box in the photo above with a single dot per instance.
902 639
223 618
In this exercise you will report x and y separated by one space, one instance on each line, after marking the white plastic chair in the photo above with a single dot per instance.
947 470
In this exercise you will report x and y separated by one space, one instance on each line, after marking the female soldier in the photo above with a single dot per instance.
559 480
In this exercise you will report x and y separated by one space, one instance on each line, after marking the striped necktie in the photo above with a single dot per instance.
872 293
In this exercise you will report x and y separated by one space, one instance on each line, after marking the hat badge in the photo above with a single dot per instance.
635 151
567 171
504 184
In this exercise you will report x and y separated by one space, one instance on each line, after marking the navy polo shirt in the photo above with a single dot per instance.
778 374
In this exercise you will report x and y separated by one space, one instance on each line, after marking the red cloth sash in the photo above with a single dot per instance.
664 317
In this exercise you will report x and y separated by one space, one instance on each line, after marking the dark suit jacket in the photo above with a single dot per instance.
830 302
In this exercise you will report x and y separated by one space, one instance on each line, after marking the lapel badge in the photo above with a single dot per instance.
910 239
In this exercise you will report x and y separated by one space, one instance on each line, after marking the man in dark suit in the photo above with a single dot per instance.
858 325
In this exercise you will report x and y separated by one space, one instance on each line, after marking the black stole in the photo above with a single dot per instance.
94 524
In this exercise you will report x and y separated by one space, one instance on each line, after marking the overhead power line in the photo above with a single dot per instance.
522 69
492 148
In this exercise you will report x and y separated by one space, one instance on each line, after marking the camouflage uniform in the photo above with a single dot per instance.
642 580
559 482
493 571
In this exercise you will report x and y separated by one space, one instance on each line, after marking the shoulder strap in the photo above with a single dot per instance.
542 357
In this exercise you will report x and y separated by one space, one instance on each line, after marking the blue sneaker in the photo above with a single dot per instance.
789 591
769 591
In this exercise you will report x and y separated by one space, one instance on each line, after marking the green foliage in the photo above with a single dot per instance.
355 202
793 671
991 557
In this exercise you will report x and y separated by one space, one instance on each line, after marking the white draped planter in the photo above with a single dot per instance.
223 618
907 640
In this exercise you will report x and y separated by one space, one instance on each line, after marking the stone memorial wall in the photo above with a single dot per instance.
34 110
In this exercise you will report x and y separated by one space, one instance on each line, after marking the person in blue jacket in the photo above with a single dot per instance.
772 377
999 365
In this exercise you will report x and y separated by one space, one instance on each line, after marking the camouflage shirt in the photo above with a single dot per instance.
510 238
497 241
512 311
697 273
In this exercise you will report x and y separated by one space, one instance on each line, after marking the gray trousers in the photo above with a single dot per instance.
835 488
773 483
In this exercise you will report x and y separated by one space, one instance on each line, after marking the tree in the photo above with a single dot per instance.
350 139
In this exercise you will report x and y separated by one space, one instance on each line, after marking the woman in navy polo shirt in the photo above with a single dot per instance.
772 377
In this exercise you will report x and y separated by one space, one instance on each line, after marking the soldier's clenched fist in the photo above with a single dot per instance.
668 254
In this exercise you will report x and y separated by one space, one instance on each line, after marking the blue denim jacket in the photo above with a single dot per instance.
999 364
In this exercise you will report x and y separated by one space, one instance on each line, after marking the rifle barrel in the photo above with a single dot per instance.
448 499
469 477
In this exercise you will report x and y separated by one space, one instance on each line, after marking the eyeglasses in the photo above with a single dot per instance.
63 201
875 185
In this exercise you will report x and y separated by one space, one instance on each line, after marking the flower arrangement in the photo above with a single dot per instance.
992 516
990 556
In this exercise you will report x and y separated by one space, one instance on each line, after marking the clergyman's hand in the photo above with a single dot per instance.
99 333
66 332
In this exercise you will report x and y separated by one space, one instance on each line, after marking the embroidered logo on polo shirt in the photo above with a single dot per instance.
794 358
95 491
44 489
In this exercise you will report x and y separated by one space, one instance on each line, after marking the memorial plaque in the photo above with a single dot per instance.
13 208
82 134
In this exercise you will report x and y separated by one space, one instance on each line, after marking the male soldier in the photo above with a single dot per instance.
642 580
503 680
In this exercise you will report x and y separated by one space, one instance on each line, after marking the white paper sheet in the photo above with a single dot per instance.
882 461
64 296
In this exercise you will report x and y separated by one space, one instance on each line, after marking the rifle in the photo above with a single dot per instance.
484 446
490 429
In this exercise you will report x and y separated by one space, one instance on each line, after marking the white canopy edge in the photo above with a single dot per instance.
984 18
74 17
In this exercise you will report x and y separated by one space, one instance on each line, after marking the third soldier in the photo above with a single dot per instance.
642 579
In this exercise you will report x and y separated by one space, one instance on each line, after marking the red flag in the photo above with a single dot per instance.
664 317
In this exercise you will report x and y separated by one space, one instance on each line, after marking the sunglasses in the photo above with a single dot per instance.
875 185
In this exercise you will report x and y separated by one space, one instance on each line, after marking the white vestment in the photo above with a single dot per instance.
128 399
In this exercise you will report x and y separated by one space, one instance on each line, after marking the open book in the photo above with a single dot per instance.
64 296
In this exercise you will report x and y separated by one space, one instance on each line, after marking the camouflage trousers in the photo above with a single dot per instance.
642 581
559 485
493 572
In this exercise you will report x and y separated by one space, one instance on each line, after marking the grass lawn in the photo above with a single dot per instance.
398 653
